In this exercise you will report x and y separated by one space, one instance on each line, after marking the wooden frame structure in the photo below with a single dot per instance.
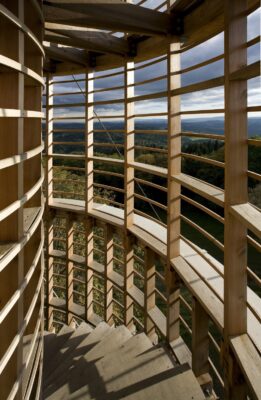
117 242
21 204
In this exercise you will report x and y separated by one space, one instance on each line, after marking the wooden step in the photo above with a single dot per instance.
74 378
110 343
111 364
59 376
151 375
67 348
134 347
51 351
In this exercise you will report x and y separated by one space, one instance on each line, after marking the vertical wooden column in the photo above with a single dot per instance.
89 121
49 269
174 168
89 140
49 139
200 345
20 189
236 190
150 298
69 266
108 295
89 272
129 189
49 195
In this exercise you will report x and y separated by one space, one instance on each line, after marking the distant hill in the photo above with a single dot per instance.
209 125
217 125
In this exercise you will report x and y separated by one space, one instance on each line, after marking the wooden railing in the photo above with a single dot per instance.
143 228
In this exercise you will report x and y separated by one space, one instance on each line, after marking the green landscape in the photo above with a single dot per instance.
208 148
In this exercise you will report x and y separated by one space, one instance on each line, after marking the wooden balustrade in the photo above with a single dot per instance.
153 206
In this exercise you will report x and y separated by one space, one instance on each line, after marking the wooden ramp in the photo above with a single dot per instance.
108 363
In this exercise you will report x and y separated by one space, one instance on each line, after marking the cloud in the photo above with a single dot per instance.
207 99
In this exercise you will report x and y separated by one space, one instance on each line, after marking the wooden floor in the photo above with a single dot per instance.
108 363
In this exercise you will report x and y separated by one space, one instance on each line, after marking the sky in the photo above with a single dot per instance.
207 99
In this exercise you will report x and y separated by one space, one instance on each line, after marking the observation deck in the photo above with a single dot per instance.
130 198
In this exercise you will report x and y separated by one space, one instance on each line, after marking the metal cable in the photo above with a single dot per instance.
117 150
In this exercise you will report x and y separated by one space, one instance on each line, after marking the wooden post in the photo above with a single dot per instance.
89 116
236 187
49 139
108 295
128 280
129 144
174 168
150 298
89 141
49 271
20 192
129 190
200 345
69 266
89 272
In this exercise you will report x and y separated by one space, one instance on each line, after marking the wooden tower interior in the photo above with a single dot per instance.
130 229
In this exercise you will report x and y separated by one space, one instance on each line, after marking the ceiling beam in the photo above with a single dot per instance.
88 40
122 17
66 54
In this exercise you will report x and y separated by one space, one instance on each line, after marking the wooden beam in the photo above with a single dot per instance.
206 20
200 345
174 168
149 295
69 266
88 40
108 285
49 139
89 116
89 270
236 189
68 55
121 17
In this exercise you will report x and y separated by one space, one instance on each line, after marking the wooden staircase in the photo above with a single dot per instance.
107 363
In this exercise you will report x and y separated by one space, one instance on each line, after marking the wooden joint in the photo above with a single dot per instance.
133 46
177 24
92 59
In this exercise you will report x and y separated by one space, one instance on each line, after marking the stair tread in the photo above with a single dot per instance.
111 342
123 366
150 375
135 346
51 351
58 376
68 347
177 383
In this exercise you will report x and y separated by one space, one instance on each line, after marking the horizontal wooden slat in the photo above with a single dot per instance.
249 361
16 159
200 290
150 169
249 216
16 21
13 113
16 66
204 189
